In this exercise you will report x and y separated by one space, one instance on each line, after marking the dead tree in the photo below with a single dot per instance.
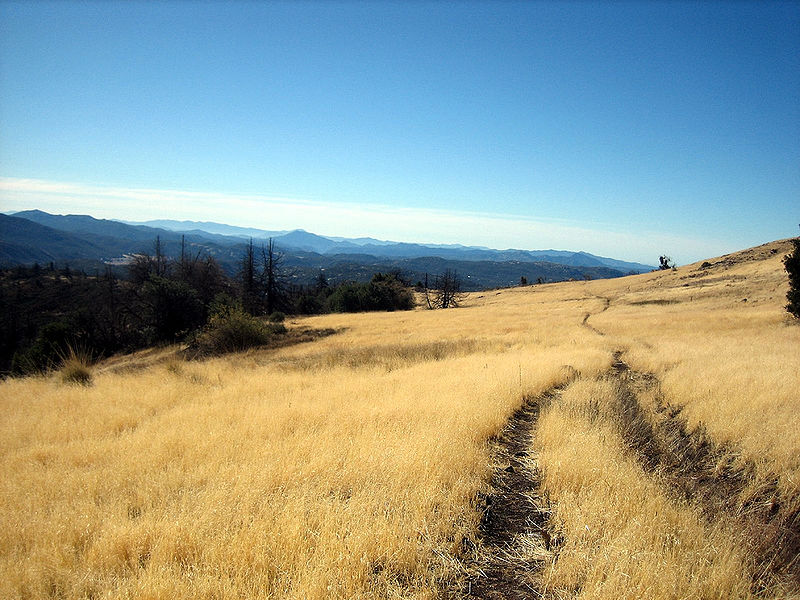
445 292
272 277
248 280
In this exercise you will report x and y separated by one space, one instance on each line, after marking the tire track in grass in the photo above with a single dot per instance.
713 476
514 539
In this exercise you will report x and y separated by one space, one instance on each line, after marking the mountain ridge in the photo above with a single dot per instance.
90 244
304 240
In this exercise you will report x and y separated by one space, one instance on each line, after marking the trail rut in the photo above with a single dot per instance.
515 541
711 475
585 321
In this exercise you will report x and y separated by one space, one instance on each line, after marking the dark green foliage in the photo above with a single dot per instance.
792 263
309 303
49 309
384 292
103 312
172 308
277 317
222 302
51 344
234 330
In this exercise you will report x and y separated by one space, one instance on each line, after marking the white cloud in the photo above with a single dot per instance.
349 220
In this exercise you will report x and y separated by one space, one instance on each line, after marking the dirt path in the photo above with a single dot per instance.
585 322
513 534
713 476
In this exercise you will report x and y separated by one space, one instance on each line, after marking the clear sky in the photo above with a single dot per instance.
624 129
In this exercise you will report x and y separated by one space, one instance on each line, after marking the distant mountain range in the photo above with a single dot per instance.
88 243
309 242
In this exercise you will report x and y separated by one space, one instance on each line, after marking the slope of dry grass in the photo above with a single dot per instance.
349 466
624 537
346 468
725 352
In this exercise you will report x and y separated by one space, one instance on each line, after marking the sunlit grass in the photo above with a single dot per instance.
348 466
624 537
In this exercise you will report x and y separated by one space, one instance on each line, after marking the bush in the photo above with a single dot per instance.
310 303
792 263
384 292
52 344
277 317
233 330
173 308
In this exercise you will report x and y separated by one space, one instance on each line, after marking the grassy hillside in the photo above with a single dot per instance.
662 455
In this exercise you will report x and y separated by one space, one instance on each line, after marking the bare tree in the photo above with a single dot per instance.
248 278
272 277
143 266
445 291
160 262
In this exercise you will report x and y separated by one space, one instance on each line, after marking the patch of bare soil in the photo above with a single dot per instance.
714 477
514 537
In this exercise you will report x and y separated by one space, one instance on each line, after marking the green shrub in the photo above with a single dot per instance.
277 317
47 351
233 330
173 309
384 292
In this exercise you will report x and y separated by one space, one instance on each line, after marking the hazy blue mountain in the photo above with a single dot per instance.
23 241
87 224
303 240
209 227
114 239
89 243
362 241
309 242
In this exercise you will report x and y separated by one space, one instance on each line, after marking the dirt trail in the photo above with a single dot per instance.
713 476
585 322
514 537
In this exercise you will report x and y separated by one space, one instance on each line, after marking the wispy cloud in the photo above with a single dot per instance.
349 220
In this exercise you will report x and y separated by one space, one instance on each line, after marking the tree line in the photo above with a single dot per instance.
158 299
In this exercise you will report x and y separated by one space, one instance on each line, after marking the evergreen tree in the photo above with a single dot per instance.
792 263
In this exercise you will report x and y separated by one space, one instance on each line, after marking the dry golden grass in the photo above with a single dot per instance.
625 538
348 467
732 365
344 468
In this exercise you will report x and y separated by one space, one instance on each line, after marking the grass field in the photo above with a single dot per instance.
354 466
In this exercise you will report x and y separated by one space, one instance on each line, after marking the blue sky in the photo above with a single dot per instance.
622 129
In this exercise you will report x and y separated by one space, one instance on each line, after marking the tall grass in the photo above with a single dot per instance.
349 467
76 367
624 536
732 366
240 477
